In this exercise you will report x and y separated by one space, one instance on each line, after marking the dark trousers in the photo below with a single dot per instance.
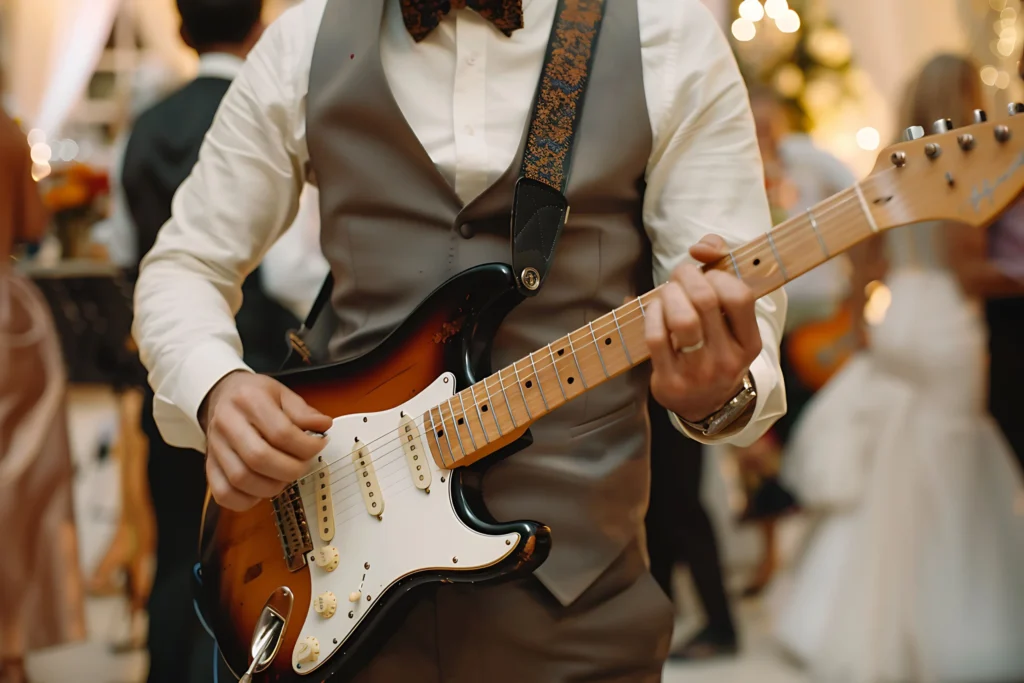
180 650
678 528
1006 371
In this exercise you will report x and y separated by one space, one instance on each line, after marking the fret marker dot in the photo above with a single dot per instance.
440 433
608 341
529 384
461 421
757 262
571 380
483 409
561 351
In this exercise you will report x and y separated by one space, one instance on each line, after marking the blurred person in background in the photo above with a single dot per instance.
818 334
41 601
163 148
916 568
992 267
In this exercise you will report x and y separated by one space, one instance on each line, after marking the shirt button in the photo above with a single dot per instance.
466 230
471 60
469 131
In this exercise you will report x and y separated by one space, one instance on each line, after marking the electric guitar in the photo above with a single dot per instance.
302 586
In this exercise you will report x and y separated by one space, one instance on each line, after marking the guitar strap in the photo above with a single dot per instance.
539 207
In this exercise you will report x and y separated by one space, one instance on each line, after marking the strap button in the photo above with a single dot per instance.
467 230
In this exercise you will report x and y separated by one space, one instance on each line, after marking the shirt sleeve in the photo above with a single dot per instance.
241 195
705 176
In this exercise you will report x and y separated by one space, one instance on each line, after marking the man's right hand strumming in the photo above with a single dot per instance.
257 440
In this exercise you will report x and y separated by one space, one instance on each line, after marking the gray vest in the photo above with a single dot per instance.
393 229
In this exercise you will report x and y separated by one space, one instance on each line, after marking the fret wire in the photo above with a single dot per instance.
455 424
519 383
472 438
625 347
558 377
479 415
752 249
735 266
507 404
540 388
598 345
433 431
821 240
577 361
778 260
864 206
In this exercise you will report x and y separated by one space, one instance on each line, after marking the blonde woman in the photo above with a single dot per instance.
916 570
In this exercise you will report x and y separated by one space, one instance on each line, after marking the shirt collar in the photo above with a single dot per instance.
219 65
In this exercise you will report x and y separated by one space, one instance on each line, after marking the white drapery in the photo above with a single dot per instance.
54 47
57 44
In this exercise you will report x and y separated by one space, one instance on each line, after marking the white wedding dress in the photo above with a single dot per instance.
915 569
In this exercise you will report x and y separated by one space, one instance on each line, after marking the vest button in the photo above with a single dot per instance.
466 230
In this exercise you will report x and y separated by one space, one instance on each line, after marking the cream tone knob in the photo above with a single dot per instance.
326 605
327 558
354 596
308 650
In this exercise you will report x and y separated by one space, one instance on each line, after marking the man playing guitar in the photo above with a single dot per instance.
406 113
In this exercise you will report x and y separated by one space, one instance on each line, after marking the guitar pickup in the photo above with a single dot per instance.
367 477
324 503
415 453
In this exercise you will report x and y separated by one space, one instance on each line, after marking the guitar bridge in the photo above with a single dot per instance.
290 518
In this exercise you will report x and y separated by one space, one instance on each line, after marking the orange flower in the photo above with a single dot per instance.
67 196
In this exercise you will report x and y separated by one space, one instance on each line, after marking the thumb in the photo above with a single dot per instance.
303 415
709 249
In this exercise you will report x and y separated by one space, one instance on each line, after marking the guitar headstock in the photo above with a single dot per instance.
965 175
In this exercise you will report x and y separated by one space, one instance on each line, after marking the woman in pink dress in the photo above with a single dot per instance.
41 601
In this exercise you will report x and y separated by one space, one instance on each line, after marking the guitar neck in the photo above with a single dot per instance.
482 418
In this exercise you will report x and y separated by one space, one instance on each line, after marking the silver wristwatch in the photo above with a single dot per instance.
723 418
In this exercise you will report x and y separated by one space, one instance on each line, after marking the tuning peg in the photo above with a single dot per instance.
1014 108
980 116
913 133
942 126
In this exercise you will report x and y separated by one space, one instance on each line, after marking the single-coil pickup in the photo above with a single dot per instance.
324 505
415 454
367 477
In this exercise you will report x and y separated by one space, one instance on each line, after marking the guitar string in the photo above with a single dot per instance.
788 236
382 461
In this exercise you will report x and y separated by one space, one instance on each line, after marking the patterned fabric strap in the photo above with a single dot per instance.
560 92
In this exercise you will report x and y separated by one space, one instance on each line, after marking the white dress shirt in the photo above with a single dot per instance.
466 91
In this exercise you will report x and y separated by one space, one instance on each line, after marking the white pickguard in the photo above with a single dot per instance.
417 530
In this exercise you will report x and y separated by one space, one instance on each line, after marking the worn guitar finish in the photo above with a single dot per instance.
418 411
242 559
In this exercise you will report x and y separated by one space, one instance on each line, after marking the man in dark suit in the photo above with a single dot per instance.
163 148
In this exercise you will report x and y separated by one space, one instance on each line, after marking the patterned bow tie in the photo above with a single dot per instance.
423 16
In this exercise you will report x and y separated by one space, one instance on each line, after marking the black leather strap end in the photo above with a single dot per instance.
539 212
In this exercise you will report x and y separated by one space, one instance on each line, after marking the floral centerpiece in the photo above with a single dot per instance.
77 196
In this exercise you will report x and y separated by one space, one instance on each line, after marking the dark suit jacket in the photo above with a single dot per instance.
163 148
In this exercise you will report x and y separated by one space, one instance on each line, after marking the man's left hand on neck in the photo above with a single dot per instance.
700 356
